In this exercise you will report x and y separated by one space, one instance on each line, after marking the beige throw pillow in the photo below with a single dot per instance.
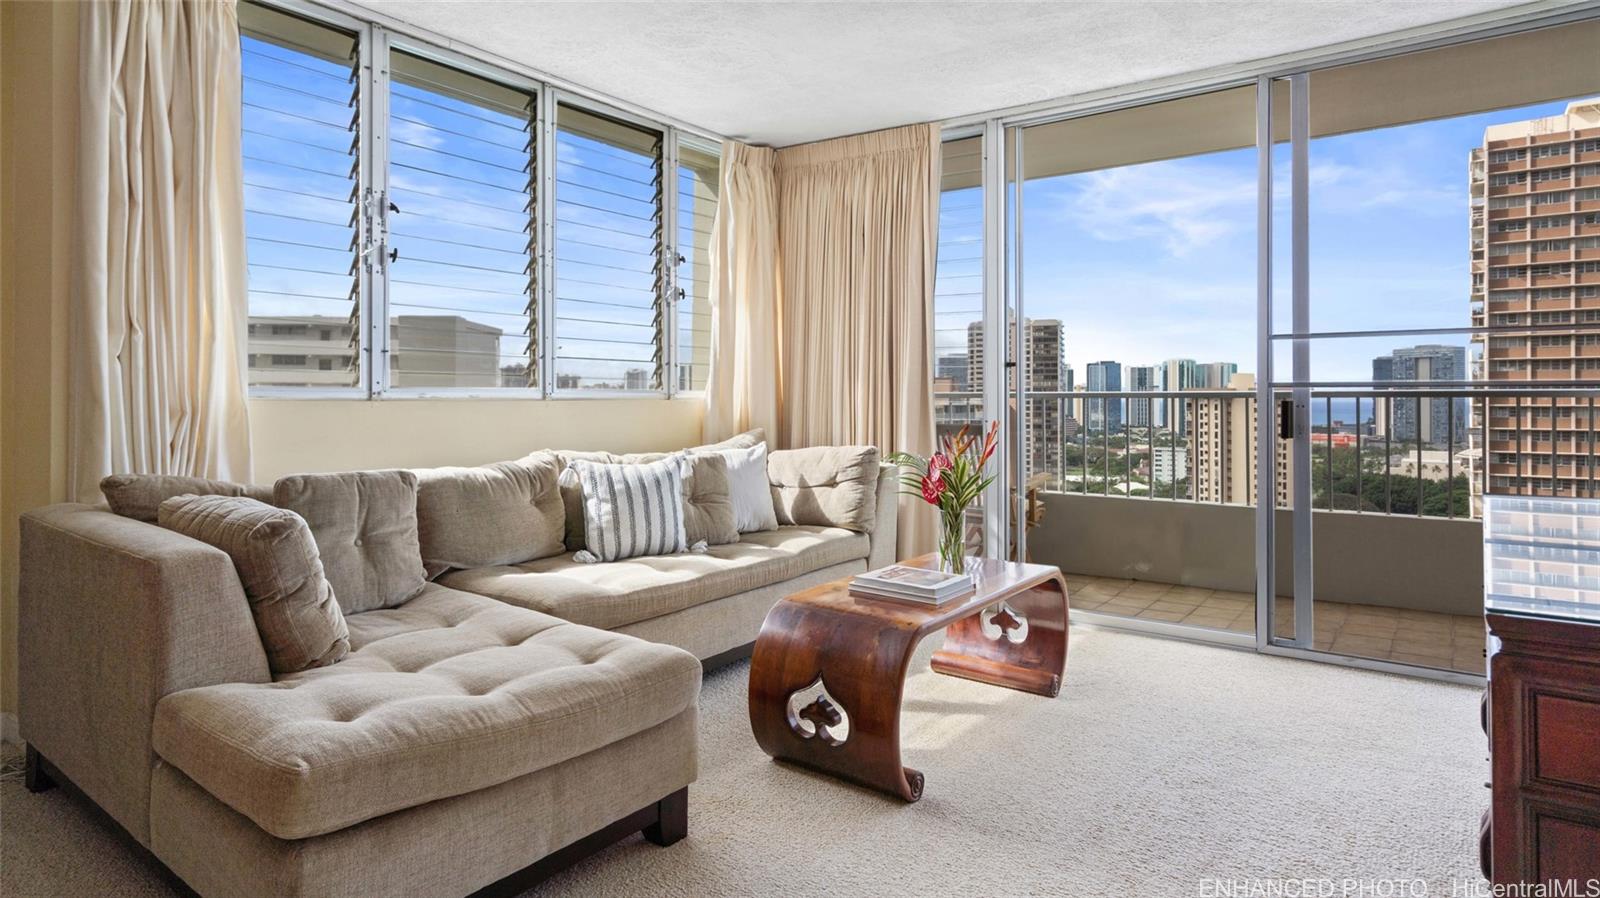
830 486
707 505
751 438
365 524
296 613
504 513
139 496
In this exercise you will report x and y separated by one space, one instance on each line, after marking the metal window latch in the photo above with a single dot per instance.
1286 419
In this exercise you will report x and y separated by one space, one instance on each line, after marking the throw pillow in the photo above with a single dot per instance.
365 525
139 496
830 486
631 510
707 505
572 493
293 604
504 513
748 488
755 436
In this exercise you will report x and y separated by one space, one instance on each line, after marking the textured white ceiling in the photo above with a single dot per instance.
784 73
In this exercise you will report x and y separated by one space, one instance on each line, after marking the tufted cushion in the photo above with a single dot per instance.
495 514
707 506
445 695
618 593
139 496
831 486
365 523
296 614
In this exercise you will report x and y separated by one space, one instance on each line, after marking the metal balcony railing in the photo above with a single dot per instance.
1398 447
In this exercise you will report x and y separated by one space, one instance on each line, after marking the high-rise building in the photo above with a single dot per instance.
1535 249
952 366
1224 442
1177 374
1103 414
1436 423
1047 421
1142 379
1215 375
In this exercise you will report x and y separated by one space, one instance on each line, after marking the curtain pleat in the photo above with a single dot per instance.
742 388
159 311
857 234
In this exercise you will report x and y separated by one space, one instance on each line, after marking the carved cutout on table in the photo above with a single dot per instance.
815 714
1003 622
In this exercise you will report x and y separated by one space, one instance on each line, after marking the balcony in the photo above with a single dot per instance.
1154 523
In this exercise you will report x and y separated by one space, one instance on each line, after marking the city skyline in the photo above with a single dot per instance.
1158 260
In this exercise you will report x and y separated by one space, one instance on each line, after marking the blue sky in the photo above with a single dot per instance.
1157 261
458 173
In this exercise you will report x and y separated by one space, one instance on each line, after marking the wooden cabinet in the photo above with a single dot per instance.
1544 740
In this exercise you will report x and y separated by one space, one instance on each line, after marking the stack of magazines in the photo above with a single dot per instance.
911 584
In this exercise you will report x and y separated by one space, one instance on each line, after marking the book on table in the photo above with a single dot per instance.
911 584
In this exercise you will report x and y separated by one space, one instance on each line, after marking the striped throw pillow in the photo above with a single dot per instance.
631 509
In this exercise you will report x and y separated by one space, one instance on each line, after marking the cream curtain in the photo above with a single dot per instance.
158 317
742 389
857 233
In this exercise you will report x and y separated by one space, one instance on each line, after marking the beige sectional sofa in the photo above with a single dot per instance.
495 726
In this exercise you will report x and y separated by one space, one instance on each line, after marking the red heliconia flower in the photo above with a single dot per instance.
933 487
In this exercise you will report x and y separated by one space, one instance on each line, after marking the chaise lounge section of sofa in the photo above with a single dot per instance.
496 725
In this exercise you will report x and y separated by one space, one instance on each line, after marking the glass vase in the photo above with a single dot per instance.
953 542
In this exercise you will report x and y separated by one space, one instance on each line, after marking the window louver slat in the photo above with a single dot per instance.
611 288
302 184
462 285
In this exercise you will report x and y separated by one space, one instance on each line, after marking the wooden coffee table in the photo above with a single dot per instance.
829 667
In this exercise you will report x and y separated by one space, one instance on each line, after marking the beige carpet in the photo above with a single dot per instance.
1162 765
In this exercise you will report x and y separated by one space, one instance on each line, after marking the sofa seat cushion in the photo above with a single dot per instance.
447 694
618 593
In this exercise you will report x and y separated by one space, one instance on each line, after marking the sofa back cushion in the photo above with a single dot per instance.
707 505
631 510
365 525
830 486
296 613
504 513
139 496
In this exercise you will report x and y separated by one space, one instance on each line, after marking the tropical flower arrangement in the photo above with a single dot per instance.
950 480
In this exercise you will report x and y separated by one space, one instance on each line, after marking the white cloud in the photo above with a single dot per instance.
1185 204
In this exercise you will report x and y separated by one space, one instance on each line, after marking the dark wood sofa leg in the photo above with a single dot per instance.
35 776
672 820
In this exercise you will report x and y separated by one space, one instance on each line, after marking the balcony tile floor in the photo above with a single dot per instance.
1424 638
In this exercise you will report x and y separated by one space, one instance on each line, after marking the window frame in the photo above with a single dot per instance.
375 42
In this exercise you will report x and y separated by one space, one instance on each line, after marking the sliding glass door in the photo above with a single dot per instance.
1135 294
1261 351
1431 325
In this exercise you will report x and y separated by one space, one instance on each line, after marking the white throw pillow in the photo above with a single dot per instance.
749 489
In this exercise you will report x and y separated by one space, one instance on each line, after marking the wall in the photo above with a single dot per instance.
297 435
38 124
1395 560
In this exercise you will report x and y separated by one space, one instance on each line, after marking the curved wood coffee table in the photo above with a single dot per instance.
829 667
